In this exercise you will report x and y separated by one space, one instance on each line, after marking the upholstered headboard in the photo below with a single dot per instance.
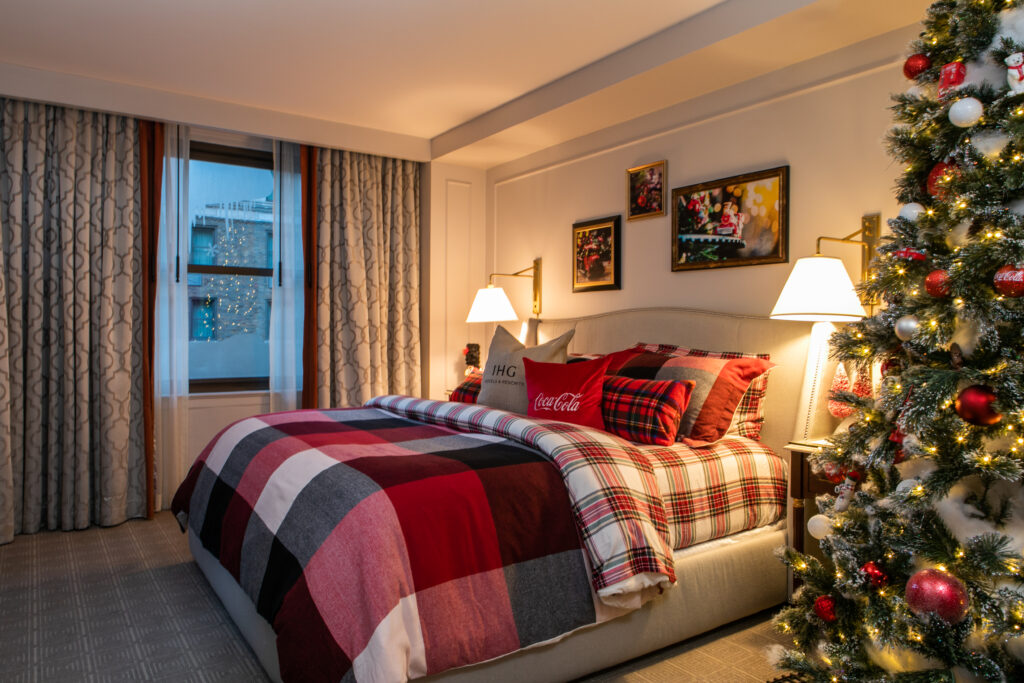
791 408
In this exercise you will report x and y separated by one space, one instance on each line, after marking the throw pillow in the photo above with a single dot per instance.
645 411
570 393
503 384
720 384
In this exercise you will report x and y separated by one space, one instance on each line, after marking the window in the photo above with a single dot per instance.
230 268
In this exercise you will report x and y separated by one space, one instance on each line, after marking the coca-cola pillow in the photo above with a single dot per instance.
566 392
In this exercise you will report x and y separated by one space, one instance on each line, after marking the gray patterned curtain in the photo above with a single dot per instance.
367 277
71 408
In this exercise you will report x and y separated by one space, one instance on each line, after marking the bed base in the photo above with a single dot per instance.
719 582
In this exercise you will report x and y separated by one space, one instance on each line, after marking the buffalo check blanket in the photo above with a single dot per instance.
408 537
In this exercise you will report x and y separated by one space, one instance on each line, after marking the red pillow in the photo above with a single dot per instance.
720 385
566 392
645 411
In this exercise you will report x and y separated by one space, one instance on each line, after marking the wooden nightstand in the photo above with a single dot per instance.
804 484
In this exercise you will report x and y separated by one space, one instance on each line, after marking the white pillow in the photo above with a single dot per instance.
503 384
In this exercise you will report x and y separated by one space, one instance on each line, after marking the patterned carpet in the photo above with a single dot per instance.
128 604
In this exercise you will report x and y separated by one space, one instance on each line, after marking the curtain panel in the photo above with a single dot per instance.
72 443
366 318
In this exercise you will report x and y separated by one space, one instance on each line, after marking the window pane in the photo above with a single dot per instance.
232 214
230 320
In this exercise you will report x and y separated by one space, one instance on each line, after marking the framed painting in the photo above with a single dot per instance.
737 221
596 255
645 193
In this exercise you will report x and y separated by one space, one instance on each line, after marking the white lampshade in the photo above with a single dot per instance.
491 305
818 289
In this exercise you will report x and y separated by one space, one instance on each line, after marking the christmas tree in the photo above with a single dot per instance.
923 572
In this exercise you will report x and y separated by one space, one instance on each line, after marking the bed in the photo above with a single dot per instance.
640 592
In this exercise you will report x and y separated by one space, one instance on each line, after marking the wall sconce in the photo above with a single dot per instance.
491 304
819 290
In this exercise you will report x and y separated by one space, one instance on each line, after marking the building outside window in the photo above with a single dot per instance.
230 271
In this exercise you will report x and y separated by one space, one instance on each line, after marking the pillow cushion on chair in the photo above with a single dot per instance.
503 384
644 411
570 393
749 414
720 384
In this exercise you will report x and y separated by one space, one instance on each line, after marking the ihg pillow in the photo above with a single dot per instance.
503 384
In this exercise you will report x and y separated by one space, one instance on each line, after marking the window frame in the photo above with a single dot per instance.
238 156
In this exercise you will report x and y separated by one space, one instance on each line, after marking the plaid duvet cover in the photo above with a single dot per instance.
718 489
382 547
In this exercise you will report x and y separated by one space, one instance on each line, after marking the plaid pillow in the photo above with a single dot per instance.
749 415
644 411
639 410
720 385
469 389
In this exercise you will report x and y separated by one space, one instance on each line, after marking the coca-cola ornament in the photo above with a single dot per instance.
936 283
951 77
1009 280
931 591
974 406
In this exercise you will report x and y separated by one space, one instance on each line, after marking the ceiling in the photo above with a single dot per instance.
483 82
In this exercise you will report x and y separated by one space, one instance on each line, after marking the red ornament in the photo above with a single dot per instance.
825 608
951 76
1009 280
940 174
916 65
897 437
937 284
974 405
875 573
933 591
909 254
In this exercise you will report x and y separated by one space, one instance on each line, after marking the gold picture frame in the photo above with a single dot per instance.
596 255
741 220
645 190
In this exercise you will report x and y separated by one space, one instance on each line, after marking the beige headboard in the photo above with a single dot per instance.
791 409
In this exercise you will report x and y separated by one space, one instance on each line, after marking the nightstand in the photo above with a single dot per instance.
804 484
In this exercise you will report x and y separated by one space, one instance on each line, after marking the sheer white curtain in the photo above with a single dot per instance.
286 308
170 423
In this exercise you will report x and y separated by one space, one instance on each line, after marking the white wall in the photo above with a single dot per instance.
454 240
831 135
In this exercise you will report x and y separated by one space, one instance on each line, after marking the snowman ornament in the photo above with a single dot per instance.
1015 72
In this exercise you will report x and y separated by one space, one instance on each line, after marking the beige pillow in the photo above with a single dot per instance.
503 384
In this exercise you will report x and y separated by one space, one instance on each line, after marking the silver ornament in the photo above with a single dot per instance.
906 327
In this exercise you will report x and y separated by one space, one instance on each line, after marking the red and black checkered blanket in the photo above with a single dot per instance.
382 547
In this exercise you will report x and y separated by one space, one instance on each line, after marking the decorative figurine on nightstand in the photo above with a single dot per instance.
472 354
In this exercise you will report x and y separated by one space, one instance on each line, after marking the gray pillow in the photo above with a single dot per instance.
504 382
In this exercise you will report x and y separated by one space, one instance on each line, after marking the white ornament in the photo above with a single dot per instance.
990 143
966 112
906 327
911 211
1015 72
959 235
819 526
